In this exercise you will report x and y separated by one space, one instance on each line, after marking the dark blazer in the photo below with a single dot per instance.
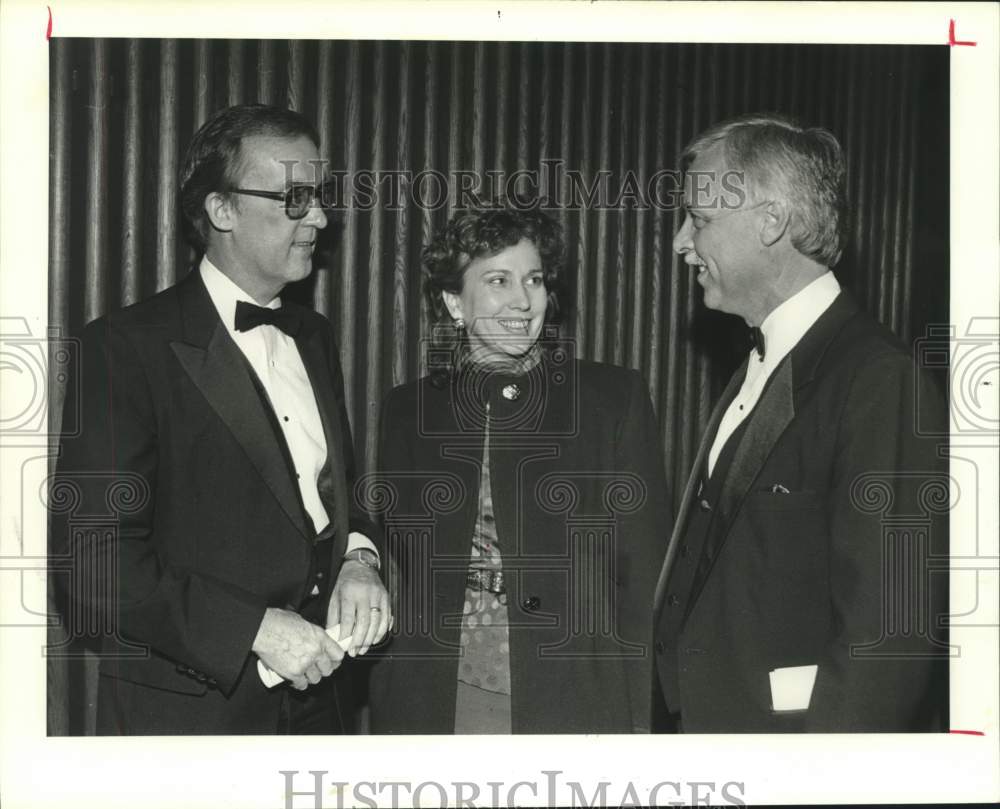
821 574
580 502
206 528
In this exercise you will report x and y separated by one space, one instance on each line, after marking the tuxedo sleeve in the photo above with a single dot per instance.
884 669
645 525
389 487
110 471
358 518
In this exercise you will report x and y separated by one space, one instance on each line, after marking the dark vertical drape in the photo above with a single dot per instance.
454 114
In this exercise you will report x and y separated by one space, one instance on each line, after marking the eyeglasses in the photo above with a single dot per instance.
298 199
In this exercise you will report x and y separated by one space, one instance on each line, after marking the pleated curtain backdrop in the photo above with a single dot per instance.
577 118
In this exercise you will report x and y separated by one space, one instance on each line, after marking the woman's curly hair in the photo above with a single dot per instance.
485 231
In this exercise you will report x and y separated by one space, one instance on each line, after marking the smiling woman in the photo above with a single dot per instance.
492 277
502 302
527 506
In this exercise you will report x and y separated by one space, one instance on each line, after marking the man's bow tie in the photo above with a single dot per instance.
250 316
757 342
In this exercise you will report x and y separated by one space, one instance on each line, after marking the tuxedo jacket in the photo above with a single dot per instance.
830 537
580 505
200 526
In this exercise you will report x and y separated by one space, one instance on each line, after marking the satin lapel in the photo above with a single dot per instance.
770 418
216 366
776 407
333 488
692 484
774 410
773 413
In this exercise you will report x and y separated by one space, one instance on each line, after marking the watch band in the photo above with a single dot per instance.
366 557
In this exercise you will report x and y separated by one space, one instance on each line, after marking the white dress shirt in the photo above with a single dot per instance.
782 329
275 359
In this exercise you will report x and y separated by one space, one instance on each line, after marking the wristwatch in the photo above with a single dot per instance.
365 556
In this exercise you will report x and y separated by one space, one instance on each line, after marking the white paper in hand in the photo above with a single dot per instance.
271 678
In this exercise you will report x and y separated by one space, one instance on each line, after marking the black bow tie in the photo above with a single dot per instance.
250 316
757 341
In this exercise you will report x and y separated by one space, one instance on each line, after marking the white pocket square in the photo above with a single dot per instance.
791 687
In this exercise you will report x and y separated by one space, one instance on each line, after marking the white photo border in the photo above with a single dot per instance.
36 770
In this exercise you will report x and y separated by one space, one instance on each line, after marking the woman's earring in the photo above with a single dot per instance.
459 323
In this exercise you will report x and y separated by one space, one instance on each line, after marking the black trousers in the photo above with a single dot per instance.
327 708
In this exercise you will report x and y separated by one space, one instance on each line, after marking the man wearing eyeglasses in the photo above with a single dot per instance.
798 591
222 409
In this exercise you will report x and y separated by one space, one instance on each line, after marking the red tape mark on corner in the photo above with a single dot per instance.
968 732
951 37
48 30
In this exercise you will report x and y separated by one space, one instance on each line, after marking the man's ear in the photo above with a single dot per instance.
453 304
776 220
220 210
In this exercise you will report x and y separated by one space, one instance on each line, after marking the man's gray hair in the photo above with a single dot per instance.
782 160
